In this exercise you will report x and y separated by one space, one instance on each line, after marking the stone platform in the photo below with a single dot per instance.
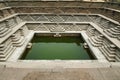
60 73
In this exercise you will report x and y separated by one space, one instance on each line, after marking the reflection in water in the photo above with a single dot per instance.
50 48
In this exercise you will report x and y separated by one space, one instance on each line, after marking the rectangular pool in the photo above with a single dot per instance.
48 47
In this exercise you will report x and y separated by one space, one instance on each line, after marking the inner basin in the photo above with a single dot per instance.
63 47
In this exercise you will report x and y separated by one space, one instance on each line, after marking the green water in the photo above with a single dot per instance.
50 48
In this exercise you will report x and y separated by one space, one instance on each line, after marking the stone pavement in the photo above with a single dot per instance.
60 73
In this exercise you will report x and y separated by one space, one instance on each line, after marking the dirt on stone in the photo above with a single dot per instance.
64 75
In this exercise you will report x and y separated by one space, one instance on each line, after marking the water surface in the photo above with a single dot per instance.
50 48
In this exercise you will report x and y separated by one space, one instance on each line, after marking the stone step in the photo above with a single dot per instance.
7 56
110 34
20 42
111 51
17 40
2 48
95 40
94 44
119 37
115 30
118 54
108 58
5 33
6 49
107 53
117 59
2 28
6 53
90 32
